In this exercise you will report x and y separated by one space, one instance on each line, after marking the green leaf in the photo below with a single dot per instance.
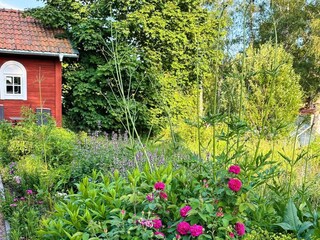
242 207
304 226
291 216
225 222
209 208
285 226
203 216
85 236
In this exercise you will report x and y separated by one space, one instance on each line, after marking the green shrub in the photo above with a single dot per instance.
117 208
259 233
53 145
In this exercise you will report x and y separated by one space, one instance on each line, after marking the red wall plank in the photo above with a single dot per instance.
44 79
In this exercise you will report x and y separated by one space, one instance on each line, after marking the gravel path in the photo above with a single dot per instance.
2 228
3 232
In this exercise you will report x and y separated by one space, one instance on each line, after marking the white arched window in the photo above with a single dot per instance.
13 81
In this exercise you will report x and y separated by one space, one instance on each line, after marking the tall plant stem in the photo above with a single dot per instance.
267 108
242 75
129 119
292 161
199 96
215 89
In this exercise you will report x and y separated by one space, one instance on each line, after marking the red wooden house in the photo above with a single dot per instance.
30 65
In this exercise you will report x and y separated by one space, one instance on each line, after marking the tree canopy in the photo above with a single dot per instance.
162 48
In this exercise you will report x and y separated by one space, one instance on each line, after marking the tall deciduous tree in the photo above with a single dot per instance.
165 49
295 24
272 91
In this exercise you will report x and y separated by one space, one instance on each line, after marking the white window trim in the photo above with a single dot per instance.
20 73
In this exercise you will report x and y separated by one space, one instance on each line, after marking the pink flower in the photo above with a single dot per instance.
150 197
29 192
196 230
240 228
183 228
147 223
123 212
15 199
159 233
159 186
157 223
163 195
231 234
219 214
178 236
17 179
234 169
184 211
234 184
22 199
13 205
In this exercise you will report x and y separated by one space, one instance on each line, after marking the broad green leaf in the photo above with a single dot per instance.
304 227
291 216
285 226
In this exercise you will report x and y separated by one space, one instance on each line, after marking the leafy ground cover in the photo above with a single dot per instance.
62 185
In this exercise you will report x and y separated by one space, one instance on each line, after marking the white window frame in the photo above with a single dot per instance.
13 69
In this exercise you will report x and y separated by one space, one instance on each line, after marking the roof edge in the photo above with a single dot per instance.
33 53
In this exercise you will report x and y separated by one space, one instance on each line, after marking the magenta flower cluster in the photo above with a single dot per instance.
159 187
184 211
234 184
184 228
150 197
29 192
240 228
234 169
155 223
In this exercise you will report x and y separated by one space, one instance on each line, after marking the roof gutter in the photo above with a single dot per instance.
46 54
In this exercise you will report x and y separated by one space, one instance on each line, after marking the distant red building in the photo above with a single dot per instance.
30 65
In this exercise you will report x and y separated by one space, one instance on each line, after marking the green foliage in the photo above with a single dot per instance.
259 233
117 208
292 222
295 24
149 49
273 94
52 145
23 212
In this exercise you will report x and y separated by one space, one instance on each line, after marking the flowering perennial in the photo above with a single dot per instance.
163 195
159 186
29 192
184 211
157 223
240 228
150 197
235 184
234 169
183 228
196 230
